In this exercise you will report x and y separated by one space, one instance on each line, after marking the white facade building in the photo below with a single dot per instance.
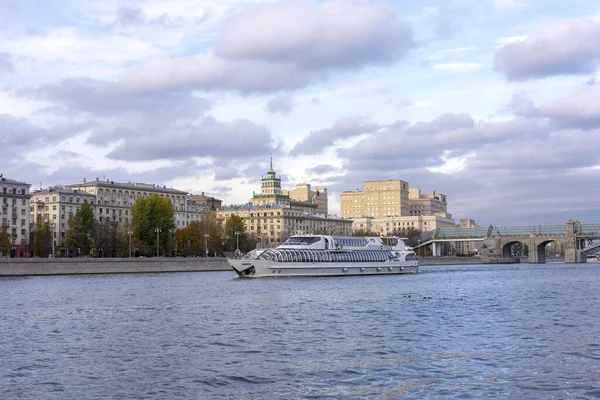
14 200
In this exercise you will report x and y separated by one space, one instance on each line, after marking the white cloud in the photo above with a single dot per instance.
457 66
510 4
566 47
284 46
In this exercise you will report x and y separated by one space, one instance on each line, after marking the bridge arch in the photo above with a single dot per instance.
541 250
507 247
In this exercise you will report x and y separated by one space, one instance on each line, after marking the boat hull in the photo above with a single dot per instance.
264 268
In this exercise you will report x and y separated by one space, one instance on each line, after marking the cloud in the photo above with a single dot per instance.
165 125
130 15
283 46
457 66
345 128
207 138
321 169
107 99
282 104
580 110
20 135
430 144
568 47
316 35
6 63
509 4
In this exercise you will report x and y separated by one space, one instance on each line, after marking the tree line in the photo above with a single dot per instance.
152 232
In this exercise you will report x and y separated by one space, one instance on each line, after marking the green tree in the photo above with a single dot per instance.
234 225
363 232
212 226
42 239
148 215
4 243
189 240
78 237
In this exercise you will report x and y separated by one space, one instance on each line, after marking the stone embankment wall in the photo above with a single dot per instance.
465 260
69 266
73 266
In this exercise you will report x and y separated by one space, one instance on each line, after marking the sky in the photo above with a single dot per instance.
495 103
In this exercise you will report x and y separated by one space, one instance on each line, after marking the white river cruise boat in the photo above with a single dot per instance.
321 255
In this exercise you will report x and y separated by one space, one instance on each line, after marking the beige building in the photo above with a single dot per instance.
14 200
378 199
387 225
270 191
275 214
427 204
304 193
111 201
57 206
114 200
385 206
278 222
208 201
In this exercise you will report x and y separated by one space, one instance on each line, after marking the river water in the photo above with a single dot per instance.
503 331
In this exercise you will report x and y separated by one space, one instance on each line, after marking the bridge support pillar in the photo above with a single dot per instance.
573 247
436 249
537 250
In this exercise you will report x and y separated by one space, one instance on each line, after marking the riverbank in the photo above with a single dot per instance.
73 266
424 261
76 266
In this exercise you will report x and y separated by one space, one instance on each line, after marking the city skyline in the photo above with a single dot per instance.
494 103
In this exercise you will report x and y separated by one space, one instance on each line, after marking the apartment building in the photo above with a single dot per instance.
275 214
378 199
115 199
388 205
275 223
304 193
427 204
14 200
57 206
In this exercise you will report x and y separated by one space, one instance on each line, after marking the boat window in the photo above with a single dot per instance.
301 240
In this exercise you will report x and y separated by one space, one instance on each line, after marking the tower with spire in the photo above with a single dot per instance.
270 191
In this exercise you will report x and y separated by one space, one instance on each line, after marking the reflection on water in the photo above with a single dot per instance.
514 331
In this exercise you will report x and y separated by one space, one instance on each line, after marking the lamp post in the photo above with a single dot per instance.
419 246
53 237
237 241
130 233
157 230
206 243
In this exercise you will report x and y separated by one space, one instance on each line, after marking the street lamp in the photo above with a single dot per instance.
237 242
206 243
130 233
53 225
157 230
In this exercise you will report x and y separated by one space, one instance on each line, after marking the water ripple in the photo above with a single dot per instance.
459 332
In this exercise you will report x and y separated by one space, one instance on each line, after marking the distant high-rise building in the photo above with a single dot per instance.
388 206
379 199
318 196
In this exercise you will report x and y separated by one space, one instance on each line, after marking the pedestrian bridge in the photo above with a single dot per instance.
498 240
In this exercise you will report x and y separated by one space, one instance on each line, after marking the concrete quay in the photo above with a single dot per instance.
466 260
77 266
